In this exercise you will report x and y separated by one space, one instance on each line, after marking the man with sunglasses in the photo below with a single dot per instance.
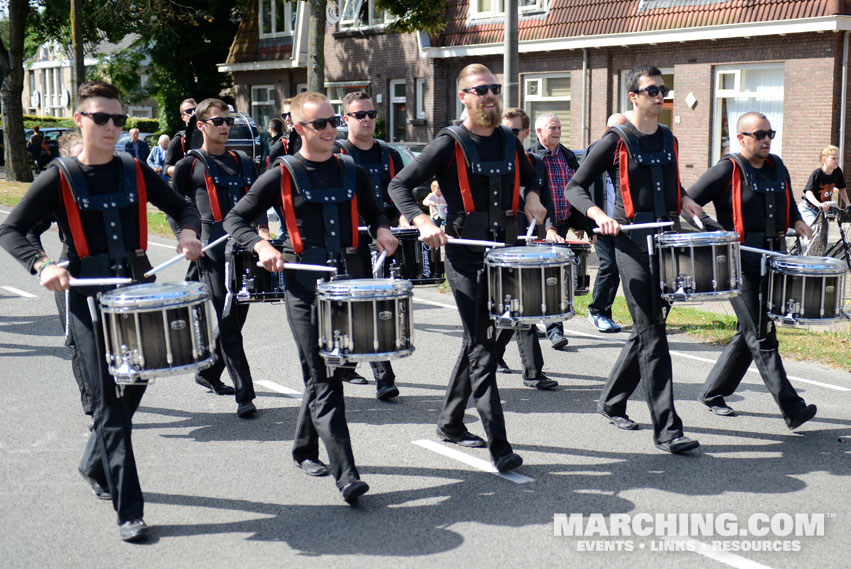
481 168
180 141
289 144
753 196
648 189
322 195
214 179
381 163
99 201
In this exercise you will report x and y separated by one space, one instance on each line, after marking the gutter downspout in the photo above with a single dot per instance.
585 98
844 98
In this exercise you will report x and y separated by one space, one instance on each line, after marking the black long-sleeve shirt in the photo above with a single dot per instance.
714 185
44 199
438 160
266 192
602 157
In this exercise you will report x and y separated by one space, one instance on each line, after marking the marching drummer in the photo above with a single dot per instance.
179 144
381 163
106 236
214 179
752 194
484 207
645 192
321 195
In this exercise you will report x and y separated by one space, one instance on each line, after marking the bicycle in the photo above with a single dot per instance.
818 245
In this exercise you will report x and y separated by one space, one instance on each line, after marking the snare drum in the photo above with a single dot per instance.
156 330
699 266
365 320
413 260
805 290
527 285
580 250
249 283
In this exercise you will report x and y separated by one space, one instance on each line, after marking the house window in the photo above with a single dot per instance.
263 104
420 93
742 89
338 90
544 94
300 88
277 18
362 14
667 116
494 8
143 112
398 110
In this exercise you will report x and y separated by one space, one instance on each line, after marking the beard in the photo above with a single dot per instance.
484 118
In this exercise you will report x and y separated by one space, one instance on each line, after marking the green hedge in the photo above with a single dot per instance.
144 125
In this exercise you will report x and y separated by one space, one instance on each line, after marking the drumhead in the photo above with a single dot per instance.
815 266
365 289
705 238
577 246
531 256
153 295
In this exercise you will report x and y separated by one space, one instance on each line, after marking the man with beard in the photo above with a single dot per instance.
480 206
760 214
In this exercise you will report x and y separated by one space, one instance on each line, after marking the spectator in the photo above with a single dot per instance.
138 149
156 158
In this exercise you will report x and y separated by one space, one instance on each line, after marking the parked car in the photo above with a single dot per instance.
51 138
125 138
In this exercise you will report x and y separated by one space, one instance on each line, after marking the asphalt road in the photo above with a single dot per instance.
222 491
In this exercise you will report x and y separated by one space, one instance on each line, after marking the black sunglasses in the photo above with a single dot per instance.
188 111
360 115
516 131
761 134
219 121
285 116
101 119
320 124
482 90
654 90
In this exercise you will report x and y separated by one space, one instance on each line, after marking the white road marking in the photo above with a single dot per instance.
433 303
19 292
724 557
751 369
271 385
477 463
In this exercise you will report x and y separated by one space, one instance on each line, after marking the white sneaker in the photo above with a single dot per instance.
603 323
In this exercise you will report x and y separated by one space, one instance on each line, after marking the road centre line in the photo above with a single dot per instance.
277 387
477 463
19 292
433 303
724 557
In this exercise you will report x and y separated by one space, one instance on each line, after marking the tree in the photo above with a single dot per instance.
11 88
316 46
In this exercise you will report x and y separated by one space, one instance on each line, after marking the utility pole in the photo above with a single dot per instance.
511 59
77 46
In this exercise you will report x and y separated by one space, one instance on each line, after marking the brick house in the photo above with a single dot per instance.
721 57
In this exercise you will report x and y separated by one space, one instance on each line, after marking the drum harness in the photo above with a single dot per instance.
744 180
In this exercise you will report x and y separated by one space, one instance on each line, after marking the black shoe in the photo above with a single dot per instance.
354 490
502 367
720 408
312 467
217 387
558 341
620 421
387 392
678 445
508 462
245 409
467 439
353 377
808 413
541 382
96 487
134 530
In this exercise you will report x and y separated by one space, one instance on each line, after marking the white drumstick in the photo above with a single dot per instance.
529 231
473 242
379 264
697 221
304 267
632 226
762 251
99 282
180 256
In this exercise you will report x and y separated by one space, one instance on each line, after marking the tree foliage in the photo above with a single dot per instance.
413 15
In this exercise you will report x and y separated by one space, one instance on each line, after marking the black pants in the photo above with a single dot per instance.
108 457
323 410
554 328
645 354
77 364
608 278
230 351
475 370
531 357
749 345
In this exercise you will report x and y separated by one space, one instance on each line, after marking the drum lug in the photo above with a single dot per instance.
127 370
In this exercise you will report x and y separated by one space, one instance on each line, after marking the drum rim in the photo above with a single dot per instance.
358 288
816 266
118 299
699 238
524 256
